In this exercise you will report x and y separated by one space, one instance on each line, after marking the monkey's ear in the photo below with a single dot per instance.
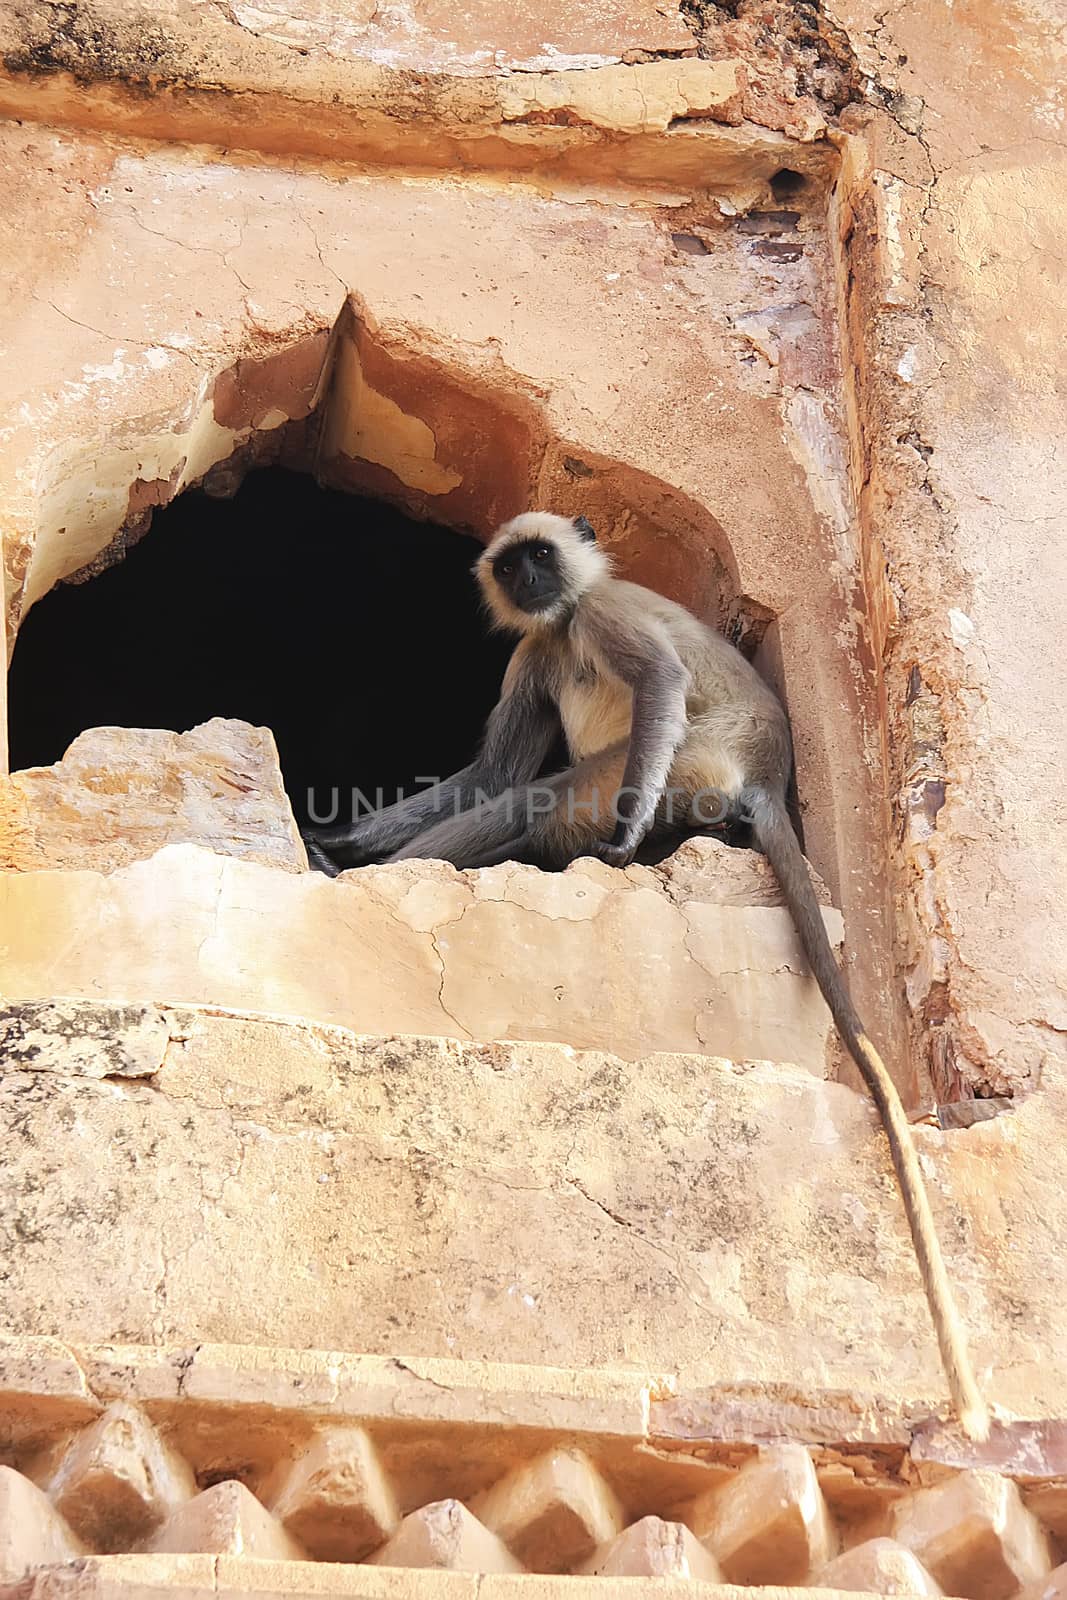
585 528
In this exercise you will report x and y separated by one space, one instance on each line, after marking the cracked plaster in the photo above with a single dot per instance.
421 948
957 215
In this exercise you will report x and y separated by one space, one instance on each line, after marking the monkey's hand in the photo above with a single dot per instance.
614 853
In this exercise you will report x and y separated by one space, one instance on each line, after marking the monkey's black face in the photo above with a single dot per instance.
529 575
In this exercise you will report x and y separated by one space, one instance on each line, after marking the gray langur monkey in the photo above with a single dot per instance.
659 712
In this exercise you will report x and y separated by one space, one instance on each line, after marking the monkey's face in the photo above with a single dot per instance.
529 575
536 569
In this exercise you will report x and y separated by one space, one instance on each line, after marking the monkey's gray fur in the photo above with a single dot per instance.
658 711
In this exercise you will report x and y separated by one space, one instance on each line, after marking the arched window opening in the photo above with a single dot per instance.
352 631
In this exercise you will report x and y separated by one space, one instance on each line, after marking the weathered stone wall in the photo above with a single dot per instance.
954 237
236 1180
774 294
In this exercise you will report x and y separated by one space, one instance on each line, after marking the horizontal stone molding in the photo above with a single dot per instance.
233 1451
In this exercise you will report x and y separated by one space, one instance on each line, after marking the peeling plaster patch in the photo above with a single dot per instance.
818 448
962 628
772 326
371 427
907 364
645 98
274 418
113 372
85 492
892 240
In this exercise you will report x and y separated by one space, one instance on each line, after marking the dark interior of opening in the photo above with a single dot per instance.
350 630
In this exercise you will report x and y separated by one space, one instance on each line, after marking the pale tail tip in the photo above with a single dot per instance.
975 1421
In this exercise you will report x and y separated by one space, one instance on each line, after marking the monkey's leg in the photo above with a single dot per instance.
550 822
518 737
378 832
589 800
487 833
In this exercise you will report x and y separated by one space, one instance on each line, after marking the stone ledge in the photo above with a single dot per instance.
119 794
398 101
699 956
201 1577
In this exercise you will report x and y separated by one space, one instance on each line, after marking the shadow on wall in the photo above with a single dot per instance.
350 630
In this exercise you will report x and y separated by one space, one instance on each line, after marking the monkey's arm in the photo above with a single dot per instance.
518 736
648 662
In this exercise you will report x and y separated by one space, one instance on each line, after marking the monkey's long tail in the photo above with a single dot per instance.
774 831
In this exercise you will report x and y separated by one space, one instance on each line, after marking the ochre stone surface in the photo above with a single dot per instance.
961 384
445 1535
32 1532
121 794
202 1578
653 1548
335 1497
291 42
453 1425
226 1519
552 1512
975 1535
636 961
839 433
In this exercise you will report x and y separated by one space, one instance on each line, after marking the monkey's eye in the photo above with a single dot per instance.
541 553
505 569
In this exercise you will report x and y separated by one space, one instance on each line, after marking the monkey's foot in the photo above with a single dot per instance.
318 860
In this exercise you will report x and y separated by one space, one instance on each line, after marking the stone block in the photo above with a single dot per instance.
335 1498
653 1548
1051 1587
975 1535
119 1480
32 1532
770 1524
552 1512
121 794
225 1520
878 1566
447 1536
